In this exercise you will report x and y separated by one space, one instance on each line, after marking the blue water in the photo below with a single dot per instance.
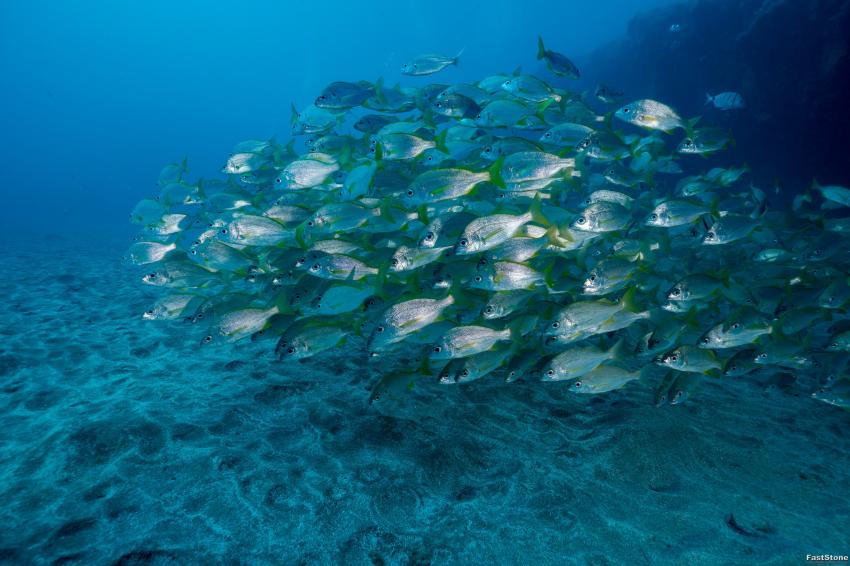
126 443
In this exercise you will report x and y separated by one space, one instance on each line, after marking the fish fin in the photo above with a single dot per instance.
627 302
428 118
620 350
379 91
440 142
517 72
692 318
708 99
690 123
299 235
295 115
541 49
541 108
386 211
495 172
424 369
422 214
537 212
457 57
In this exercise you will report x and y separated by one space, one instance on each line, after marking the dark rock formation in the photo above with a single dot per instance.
790 59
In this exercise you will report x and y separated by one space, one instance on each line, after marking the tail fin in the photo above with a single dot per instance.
495 172
457 57
708 99
440 142
295 115
541 50
627 302
537 212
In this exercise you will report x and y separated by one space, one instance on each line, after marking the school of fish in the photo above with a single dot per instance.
506 229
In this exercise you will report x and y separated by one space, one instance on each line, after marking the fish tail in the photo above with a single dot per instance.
627 303
295 115
495 172
541 49
457 57
440 142
708 99
536 211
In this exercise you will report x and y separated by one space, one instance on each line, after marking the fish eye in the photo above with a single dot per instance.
762 356
309 223
626 110
290 350
315 267
437 349
207 339
410 193
675 292
688 143
578 384
429 236
556 324
581 220
486 149
709 236
834 345
653 216
224 230
150 311
705 340
736 326
674 358
678 395
463 243
439 104
478 116
548 135
380 329
489 309
465 373
277 180
394 261
592 278
551 373
478 279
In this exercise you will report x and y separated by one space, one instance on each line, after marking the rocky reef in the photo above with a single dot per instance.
790 59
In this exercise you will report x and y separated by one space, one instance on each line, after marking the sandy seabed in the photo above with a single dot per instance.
126 442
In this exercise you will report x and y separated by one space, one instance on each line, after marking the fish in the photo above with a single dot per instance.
650 114
496 229
603 379
578 361
606 94
690 359
463 341
705 141
833 193
725 101
405 318
429 64
558 63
